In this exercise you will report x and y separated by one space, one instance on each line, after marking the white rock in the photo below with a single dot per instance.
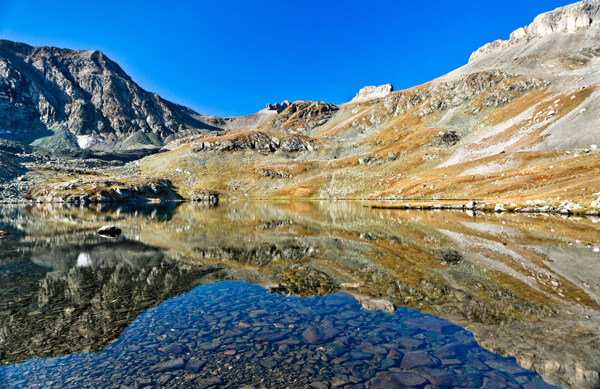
373 92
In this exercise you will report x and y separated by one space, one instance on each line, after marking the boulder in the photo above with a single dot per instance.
4 234
567 207
109 231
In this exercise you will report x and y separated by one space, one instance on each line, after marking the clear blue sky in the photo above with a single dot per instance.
232 57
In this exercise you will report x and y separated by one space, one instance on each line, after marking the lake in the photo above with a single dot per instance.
296 294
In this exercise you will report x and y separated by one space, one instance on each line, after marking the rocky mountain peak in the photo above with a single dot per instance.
279 107
48 91
564 20
373 92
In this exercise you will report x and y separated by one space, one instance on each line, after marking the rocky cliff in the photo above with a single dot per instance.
373 92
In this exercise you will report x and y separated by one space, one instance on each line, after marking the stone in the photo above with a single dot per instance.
414 359
268 363
4 234
564 20
449 138
407 379
450 256
451 351
194 366
175 348
170 365
204 383
319 334
109 230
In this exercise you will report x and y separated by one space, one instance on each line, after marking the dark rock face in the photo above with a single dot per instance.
84 93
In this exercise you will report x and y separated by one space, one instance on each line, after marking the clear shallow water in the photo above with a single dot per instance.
526 285
232 334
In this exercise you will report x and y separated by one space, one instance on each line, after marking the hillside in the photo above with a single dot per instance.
516 122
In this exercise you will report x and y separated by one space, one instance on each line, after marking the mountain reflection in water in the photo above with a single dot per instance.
232 334
525 285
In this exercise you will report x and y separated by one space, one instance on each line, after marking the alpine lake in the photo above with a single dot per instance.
296 294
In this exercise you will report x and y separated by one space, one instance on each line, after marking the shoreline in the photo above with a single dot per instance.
567 208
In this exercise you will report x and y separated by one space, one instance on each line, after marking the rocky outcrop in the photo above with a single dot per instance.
564 20
94 191
301 116
373 92
278 107
46 89
258 141
273 173
473 92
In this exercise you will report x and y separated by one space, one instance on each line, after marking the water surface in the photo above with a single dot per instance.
234 334
525 285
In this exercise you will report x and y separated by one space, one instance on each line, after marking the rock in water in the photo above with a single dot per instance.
109 231
3 234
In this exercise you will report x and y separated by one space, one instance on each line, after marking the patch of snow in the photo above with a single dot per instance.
87 141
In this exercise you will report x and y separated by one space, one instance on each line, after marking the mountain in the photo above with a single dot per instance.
85 98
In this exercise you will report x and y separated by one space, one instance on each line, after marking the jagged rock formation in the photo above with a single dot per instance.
564 20
372 92
301 116
46 89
